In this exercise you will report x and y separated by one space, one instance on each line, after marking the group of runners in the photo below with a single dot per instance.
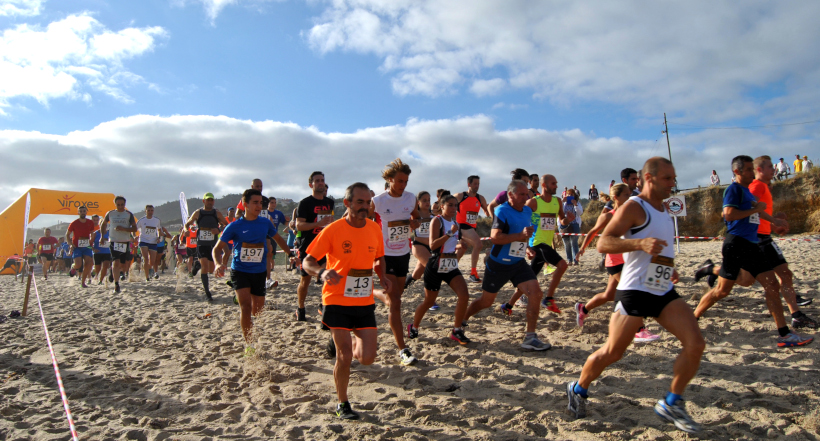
377 234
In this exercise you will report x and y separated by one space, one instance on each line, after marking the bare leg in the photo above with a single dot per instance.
361 347
678 319
394 311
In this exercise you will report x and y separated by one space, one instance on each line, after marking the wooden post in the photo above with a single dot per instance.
25 300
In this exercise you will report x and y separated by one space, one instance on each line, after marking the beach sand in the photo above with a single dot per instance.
152 364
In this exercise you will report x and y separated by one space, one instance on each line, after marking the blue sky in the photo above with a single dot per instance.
576 89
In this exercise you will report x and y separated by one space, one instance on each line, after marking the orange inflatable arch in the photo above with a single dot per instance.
12 219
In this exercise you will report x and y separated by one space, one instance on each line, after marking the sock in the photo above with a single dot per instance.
456 329
584 308
798 314
784 331
473 271
528 335
204 277
671 398
580 390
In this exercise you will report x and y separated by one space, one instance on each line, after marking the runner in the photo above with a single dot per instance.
277 218
421 236
122 225
248 265
80 233
512 228
518 174
180 251
208 220
191 241
743 248
291 259
102 255
469 203
312 214
546 209
443 267
150 229
534 183
399 214
256 184
648 234
64 255
354 250
162 247
46 246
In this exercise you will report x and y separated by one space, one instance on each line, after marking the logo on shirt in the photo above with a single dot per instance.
348 246
387 211
371 249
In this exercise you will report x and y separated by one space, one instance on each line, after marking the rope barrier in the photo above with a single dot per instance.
694 237
56 367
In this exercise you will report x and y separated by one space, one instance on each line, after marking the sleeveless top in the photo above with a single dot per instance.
636 274
450 245
468 209
544 219
614 259
206 221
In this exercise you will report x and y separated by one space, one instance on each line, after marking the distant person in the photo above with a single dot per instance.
798 164
807 164
565 193
715 179
593 193
534 185
781 170
610 186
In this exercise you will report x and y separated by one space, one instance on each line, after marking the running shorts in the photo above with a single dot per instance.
635 303
121 256
82 252
302 256
205 252
771 252
48 256
349 318
397 265
150 246
739 253
466 226
496 275
254 281
544 254
99 258
613 270
433 279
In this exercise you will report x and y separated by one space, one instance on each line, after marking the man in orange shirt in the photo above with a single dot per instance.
354 249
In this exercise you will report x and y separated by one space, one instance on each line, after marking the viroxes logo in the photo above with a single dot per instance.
67 203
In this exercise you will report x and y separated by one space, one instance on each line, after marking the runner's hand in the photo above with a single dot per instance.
454 228
386 284
528 232
414 223
331 277
220 270
530 253
760 207
675 276
652 246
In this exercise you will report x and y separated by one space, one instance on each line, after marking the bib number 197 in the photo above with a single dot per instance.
251 253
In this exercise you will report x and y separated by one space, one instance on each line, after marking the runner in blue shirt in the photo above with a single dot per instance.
102 255
277 218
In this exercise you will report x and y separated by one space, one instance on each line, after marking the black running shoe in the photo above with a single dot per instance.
110 277
319 282
300 314
229 282
458 335
711 280
330 348
804 321
408 282
704 270
116 287
209 296
344 411
802 301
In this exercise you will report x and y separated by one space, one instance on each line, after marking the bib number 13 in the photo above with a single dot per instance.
359 283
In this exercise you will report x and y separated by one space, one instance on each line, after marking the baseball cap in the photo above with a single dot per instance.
208 196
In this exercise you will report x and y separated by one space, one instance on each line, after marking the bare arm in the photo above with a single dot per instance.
602 222
629 215
499 238
732 214
484 207
104 224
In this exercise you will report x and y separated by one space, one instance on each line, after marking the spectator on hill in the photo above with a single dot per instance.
798 164
781 170
715 179
593 193
807 164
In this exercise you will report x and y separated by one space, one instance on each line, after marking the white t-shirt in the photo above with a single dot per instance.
395 214
149 229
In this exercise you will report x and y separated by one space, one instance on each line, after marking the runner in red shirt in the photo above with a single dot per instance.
81 235
46 246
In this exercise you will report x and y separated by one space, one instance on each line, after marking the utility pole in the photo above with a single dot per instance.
668 147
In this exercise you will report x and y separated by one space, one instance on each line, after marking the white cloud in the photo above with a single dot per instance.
214 7
694 60
150 159
22 8
69 55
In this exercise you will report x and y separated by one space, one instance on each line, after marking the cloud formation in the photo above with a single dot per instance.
695 60
20 8
71 58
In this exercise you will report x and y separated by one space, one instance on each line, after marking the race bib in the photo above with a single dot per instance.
398 231
547 222
518 249
472 217
206 235
447 262
150 231
192 242
120 247
322 215
252 252
46 247
82 243
424 228
659 273
359 283
755 219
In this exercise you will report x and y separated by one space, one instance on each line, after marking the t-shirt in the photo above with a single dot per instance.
64 249
277 217
149 229
101 248
395 213
250 244
351 252
312 210
761 192
47 245
81 231
739 197
798 165
510 221
593 194
500 198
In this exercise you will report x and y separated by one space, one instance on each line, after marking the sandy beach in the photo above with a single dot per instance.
152 364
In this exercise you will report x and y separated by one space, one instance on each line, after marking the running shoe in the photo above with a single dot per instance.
72 272
408 282
235 300
270 283
458 335
577 404
793 339
412 332
548 269
229 282
151 273
116 288
84 285
249 352
407 358
711 280
580 315
435 307
524 300
644 336
804 321
464 323
330 348
300 314
100 282
190 275
533 343
676 414
550 305
208 296
474 278
704 270
122 276
93 274
505 309
345 412
156 275
802 301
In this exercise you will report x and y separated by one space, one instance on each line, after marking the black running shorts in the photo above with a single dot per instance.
771 252
635 303
205 252
397 265
302 256
613 270
349 317
433 278
99 258
48 256
254 281
544 254
496 275
739 253
466 226
121 256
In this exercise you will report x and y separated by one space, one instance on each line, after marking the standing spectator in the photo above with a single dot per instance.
571 206
781 170
576 192
564 193
593 193
610 187
715 179
807 164
798 164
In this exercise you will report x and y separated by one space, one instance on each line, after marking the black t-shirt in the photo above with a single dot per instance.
310 209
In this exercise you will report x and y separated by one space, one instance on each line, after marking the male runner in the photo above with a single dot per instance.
399 212
646 290
546 209
469 203
102 255
46 246
312 214
742 250
354 250
256 184
500 198
150 228
64 255
122 225
512 228
277 218
80 233
208 220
